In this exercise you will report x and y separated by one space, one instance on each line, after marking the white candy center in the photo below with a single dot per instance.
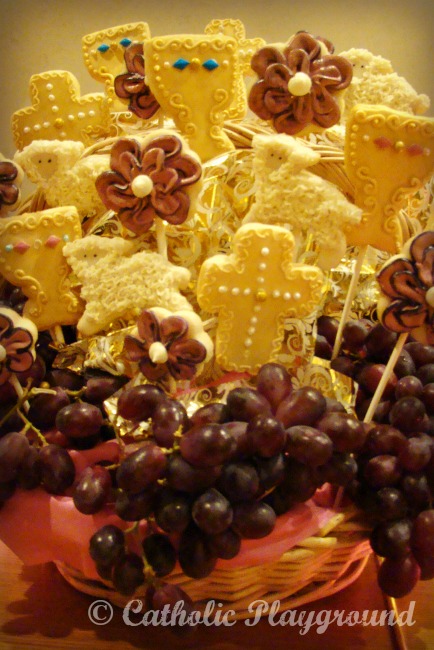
429 297
300 84
158 353
142 186
2 354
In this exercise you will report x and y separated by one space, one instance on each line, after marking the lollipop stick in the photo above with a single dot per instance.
161 120
57 335
386 376
349 300
19 391
160 230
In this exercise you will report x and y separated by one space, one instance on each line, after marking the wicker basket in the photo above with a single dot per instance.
317 567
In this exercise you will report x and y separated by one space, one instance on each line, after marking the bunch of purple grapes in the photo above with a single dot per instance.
203 483
395 478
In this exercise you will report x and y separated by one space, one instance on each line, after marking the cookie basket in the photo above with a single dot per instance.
316 567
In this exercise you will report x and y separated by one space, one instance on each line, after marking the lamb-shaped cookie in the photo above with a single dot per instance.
65 177
375 82
117 283
288 194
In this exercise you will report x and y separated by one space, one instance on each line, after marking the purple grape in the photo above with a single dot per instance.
138 403
57 468
308 445
274 383
92 489
253 519
79 420
142 468
244 403
207 446
304 406
266 435
212 512
169 417
160 553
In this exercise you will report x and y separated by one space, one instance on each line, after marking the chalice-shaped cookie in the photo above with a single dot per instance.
194 79
31 257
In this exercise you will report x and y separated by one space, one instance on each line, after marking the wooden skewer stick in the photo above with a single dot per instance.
386 376
349 300
160 229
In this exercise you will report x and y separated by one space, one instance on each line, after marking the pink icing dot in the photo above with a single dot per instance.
21 247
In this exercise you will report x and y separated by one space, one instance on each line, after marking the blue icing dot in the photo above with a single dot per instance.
65 237
210 64
9 248
180 64
125 42
103 48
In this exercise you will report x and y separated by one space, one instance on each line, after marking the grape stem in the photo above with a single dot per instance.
28 425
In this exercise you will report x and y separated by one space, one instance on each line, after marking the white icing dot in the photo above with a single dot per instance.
257 308
46 125
222 289
300 84
51 98
166 65
286 296
37 127
26 129
235 291
80 115
71 118
265 251
276 293
366 138
426 151
254 320
251 330
92 113
262 266
429 296
62 134
297 295
49 86
142 185
261 280
248 343
55 109
247 291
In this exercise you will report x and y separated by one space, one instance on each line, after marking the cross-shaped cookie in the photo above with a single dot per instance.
253 290
58 112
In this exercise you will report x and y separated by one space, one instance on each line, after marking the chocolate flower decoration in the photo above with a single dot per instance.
296 88
148 182
16 346
164 347
9 190
408 283
131 85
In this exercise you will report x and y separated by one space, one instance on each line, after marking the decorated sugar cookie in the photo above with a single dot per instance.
11 177
31 257
288 194
18 337
156 177
246 48
389 155
65 177
299 86
118 284
168 343
104 55
253 290
194 79
407 284
375 82
58 112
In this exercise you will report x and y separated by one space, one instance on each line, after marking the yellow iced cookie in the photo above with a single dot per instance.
253 290
58 112
104 51
389 155
118 283
31 257
194 79
246 48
